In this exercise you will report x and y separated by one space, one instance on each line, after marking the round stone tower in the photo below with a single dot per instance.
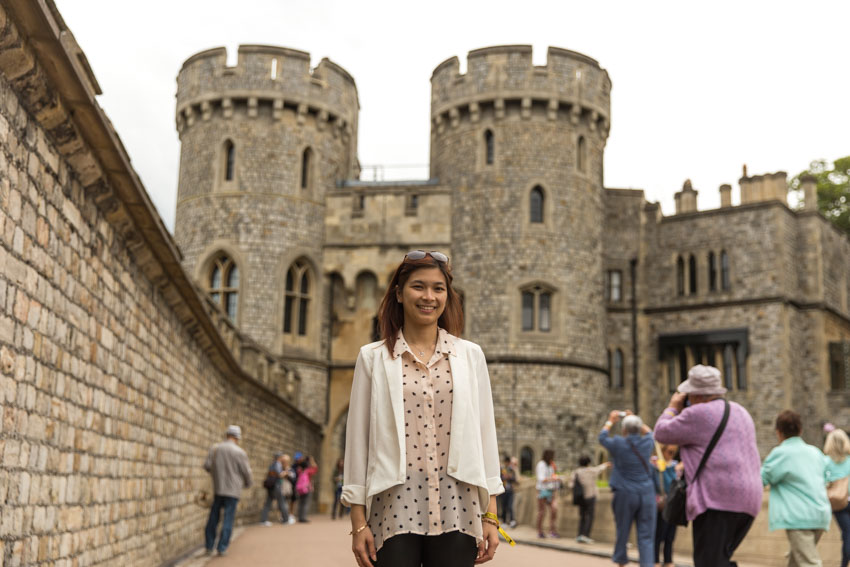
521 147
261 144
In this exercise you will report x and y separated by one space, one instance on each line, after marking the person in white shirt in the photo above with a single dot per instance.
421 459
548 483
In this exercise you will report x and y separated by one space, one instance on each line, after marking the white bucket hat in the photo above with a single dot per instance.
234 431
703 381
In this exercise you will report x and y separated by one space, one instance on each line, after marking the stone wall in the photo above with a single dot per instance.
112 390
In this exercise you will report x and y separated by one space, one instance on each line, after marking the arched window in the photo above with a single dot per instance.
581 154
725 280
617 369
536 309
712 272
229 160
489 147
535 204
223 284
296 307
680 276
692 274
526 459
306 164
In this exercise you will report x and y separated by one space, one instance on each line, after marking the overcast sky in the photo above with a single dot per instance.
698 89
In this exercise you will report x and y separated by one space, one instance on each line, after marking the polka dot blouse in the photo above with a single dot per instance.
430 502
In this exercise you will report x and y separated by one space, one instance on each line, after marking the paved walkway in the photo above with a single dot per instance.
325 543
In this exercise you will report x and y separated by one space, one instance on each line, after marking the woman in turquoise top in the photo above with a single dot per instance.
837 449
796 474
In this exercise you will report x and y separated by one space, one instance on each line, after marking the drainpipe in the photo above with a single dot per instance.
633 275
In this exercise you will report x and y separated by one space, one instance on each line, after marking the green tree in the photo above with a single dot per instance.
833 183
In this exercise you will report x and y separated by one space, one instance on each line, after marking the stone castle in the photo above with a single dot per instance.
583 297
125 351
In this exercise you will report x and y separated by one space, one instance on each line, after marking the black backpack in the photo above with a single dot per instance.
578 492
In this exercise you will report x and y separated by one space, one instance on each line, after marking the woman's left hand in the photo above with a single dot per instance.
488 545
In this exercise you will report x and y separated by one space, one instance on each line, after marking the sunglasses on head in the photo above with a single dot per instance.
419 254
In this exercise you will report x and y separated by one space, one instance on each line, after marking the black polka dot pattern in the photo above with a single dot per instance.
430 502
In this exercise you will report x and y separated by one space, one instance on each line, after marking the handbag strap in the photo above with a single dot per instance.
640 458
714 439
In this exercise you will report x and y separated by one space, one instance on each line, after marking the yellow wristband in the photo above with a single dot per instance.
491 515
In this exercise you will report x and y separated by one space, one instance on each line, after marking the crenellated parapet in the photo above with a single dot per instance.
501 79
266 80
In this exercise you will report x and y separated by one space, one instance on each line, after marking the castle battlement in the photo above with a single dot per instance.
570 84
264 75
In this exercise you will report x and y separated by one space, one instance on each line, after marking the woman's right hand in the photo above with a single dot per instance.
363 546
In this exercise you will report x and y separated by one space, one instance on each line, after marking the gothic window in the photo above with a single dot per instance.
526 459
726 282
306 166
298 293
725 349
672 374
489 147
680 276
229 160
536 309
617 369
610 382
411 205
839 365
728 366
615 285
223 284
535 202
581 154
692 274
712 272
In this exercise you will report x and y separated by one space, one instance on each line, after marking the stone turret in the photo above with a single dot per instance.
725 195
810 192
262 143
521 148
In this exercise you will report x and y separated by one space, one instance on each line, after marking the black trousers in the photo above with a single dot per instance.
717 534
664 533
585 516
452 549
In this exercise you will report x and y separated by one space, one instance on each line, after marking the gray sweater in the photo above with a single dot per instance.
228 465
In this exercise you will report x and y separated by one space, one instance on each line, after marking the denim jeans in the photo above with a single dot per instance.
303 506
586 511
507 499
639 508
275 495
229 504
843 519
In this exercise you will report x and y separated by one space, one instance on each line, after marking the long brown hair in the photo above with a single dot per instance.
391 312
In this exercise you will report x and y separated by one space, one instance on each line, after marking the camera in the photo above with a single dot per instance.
622 414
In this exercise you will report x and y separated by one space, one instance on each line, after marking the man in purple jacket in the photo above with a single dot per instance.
726 498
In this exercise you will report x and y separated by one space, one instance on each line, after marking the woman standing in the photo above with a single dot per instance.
421 459
586 476
837 448
304 487
632 484
548 483
669 469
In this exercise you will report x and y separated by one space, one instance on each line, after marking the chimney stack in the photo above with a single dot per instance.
725 195
810 192
686 199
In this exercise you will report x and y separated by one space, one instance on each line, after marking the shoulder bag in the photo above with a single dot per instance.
836 491
675 511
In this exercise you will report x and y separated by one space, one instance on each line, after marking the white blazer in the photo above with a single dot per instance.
374 438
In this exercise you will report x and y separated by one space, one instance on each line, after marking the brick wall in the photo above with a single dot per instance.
109 400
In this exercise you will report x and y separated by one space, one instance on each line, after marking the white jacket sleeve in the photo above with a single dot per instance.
357 434
489 445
